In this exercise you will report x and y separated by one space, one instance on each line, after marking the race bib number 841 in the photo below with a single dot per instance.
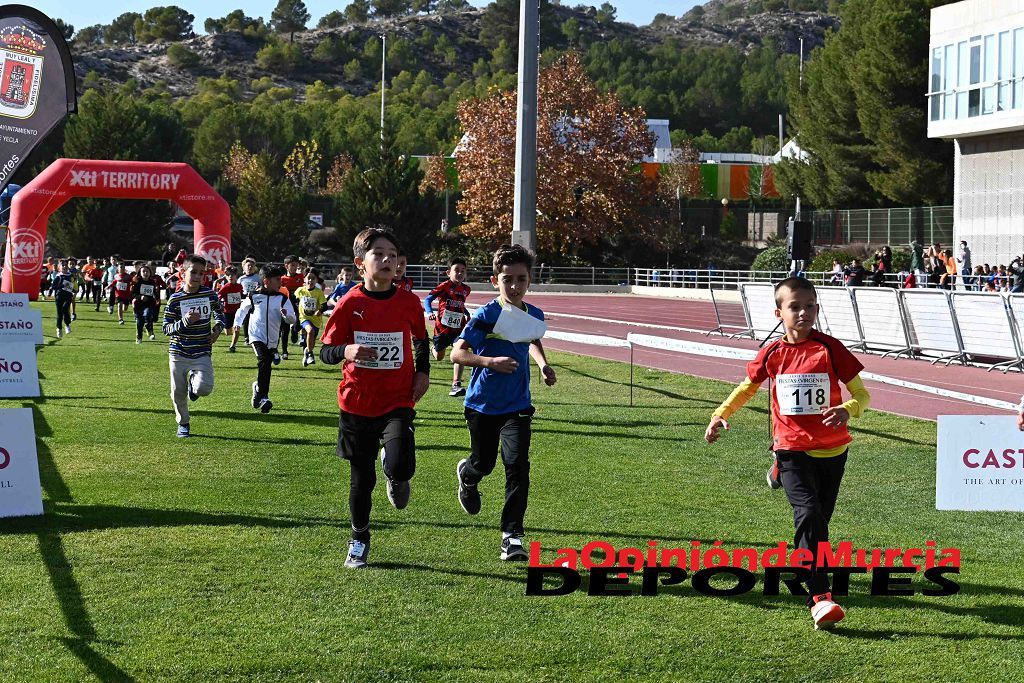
806 394
390 349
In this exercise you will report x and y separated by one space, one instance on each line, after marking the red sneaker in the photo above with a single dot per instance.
825 612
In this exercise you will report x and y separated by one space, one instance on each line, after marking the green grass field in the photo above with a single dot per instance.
220 557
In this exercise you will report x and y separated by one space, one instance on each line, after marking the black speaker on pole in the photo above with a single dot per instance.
798 239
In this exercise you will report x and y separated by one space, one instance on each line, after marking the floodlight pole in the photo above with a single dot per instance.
383 79
524 213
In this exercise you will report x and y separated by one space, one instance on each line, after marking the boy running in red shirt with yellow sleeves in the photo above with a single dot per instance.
451 316
809 418
378 331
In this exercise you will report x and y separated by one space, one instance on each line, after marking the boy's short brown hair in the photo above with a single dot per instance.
196 260
511 254
793 284
231 270
365 239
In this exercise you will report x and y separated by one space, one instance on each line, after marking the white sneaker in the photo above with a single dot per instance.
138 340
67 329
358 554
59 335
152 337
512 549
825 612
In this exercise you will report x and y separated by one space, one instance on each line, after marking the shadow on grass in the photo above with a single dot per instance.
890 437
451 572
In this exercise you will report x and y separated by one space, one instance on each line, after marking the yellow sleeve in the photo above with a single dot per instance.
739 396
860 400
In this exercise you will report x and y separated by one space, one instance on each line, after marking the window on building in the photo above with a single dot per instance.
975 64
965 65
961 104
937 69
988 100
1005 56
974 102
991 59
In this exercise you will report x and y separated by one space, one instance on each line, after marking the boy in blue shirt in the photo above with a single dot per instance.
497 343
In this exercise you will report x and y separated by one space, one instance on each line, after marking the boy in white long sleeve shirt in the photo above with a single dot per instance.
267 309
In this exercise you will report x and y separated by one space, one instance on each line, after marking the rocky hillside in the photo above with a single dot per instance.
234 55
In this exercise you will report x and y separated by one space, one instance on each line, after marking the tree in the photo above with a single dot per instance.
334 19
181 56
605 14
122 29
66 30
383 189
169 24
452 5
358 11
90 36
269 217
588 146
118 126
288 17
237 20
390 8
859 119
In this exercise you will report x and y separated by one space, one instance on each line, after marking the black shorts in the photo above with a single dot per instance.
359 438
445 339
229 320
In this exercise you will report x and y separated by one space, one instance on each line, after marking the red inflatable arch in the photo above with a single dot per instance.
65 179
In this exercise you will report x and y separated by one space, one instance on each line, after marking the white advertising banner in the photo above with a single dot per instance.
19 375
20 492
980 463
20 323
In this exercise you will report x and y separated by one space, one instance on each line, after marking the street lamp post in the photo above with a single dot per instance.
383 79
524 213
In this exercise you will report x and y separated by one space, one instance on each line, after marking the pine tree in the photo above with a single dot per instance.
288 17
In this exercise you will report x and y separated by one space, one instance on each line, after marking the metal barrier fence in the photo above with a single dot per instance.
712 278
882 226
947 326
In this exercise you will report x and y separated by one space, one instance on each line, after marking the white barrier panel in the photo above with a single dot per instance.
682 346
593 339
20 324
759 307
930 320
880 319
1016 303
838 318
978 463
20 492
984 325
19 375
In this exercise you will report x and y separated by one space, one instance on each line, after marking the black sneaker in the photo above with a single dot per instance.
183 432
398 491
512 549
265 405
277 358
772 476
469 496
255 394
192 395
457 389
358 554
284 356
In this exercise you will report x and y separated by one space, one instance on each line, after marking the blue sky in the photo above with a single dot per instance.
81 13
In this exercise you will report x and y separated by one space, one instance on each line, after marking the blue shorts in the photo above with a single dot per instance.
309 327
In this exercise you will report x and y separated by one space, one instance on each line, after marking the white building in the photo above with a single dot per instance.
976 99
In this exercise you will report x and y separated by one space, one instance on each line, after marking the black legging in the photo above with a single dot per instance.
63 300
144 319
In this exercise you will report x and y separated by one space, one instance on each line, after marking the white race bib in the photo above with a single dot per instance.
122 286
67 286
308 304
201 306
146 290
389 346
234 298
806 394
518 326
451 318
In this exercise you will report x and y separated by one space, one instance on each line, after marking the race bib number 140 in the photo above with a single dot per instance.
805 394
389 346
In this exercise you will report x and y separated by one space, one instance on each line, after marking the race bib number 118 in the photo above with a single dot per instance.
806 394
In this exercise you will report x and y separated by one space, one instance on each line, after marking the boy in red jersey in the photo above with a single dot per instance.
121 289
378 331
809 417
291 281
401 280
230 295
451 316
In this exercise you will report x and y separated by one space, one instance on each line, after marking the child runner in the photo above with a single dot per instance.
344 284
94 281
77 280
121 286
808 419
378 331
63 287
250 282
230 295
108 281
193 320
145 301
268 312
312 303
497 343
451 316
401 281
291 280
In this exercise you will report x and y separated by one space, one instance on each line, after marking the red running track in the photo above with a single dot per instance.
623 313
